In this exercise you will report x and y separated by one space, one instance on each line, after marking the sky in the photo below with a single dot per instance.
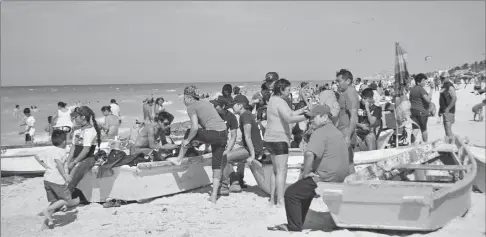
133 42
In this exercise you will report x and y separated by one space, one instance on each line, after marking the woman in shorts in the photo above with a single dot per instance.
277 136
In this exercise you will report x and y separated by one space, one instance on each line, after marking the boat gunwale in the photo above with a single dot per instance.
468 179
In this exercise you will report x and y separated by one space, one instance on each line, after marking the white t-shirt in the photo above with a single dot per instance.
115 109
49 157
30 121
85 136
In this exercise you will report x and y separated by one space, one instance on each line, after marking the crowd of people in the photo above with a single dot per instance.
326 122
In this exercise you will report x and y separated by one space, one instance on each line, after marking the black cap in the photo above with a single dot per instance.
240 99
220 101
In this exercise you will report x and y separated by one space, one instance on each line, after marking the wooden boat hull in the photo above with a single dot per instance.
399 205
479 155
148 180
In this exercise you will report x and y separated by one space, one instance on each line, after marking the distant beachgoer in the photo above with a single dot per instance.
277 135
56 179
112 123
208 127
478 110
159 105
29 123
148 110
348 116
357 84
62 118
447 107
325 161
16 111
49 127
115 109
85 139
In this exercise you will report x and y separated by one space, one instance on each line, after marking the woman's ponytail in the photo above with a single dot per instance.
97 128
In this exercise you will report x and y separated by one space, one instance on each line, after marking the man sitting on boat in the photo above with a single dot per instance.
208 127
369 117
152 136
326 160
252 144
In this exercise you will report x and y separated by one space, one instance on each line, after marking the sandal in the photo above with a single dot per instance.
281 227
47 225
110 203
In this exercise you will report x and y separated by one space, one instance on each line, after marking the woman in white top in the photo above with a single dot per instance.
86 137
277 136
62 118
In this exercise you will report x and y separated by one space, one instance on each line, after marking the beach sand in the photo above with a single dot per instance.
243 214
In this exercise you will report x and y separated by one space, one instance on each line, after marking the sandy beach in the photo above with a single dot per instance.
243 214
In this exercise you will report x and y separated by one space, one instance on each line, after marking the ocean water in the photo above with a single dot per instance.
129 98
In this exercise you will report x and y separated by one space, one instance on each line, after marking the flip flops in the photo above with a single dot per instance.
281 227
47 225
112 203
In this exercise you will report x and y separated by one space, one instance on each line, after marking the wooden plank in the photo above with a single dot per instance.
403 183
432 167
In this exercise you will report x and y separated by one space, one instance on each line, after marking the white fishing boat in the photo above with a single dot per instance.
401 194
20 160
479 154
148 180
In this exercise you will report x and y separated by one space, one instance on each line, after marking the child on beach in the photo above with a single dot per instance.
29 127
55 178
478 110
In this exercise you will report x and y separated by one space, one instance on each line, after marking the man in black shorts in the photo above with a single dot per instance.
252 140
208 127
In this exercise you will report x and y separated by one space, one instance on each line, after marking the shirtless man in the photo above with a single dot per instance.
208 127
112 123
348 115
152 136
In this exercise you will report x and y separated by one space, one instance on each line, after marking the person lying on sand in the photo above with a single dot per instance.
326 159
213 131
112 123
56 180
152 136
